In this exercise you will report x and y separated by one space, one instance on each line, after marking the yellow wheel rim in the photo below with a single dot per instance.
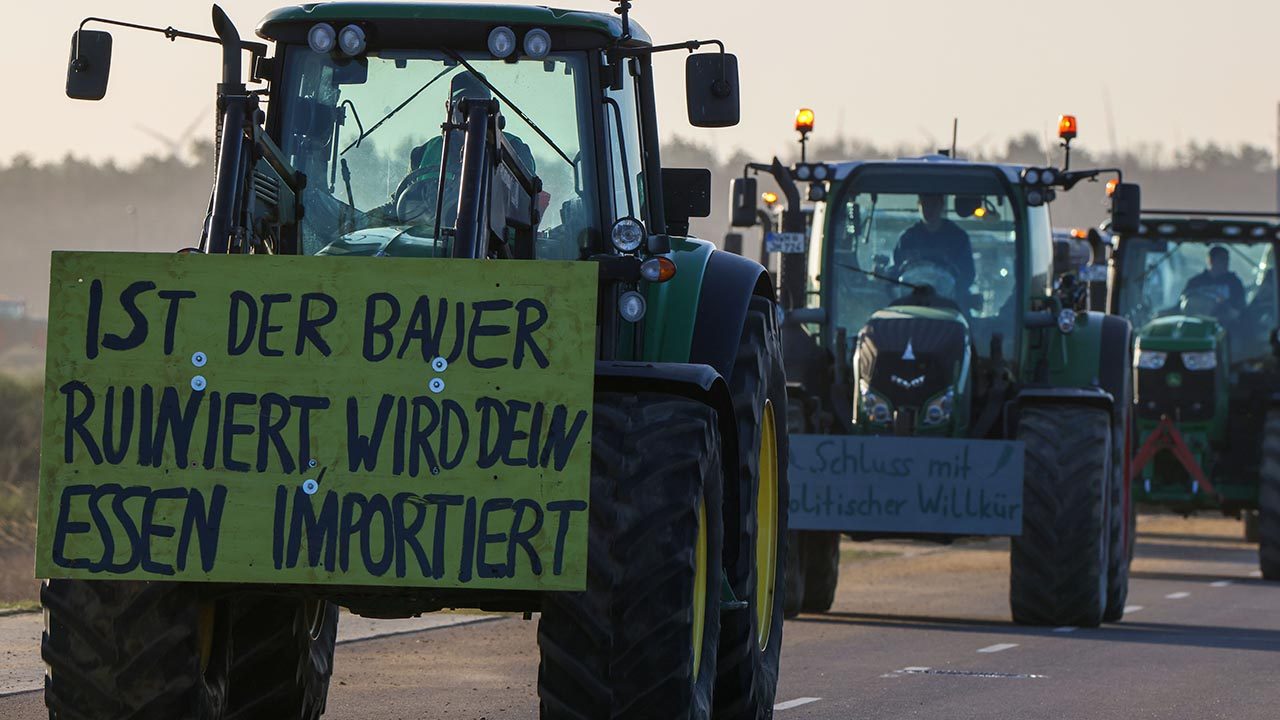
206 619
699 587
767 526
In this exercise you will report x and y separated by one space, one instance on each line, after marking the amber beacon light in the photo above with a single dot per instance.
1067 127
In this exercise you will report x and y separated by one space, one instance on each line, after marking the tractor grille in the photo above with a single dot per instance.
937 347
1190 400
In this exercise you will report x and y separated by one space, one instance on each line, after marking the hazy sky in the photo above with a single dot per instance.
885 70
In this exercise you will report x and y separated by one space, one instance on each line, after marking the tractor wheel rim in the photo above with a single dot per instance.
699 588
206 621
766 526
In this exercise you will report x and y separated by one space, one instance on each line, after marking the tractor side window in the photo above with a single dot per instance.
622 115
1040 254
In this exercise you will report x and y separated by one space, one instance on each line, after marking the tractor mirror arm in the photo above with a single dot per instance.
1071 178
172 33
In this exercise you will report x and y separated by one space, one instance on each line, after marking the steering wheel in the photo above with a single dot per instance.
1200 302
942 277
415 196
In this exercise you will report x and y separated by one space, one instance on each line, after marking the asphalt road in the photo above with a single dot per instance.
916 631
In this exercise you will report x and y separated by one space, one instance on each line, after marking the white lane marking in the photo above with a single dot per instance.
1220 583
794 703
1132 608
1177 595
1066 629
998 647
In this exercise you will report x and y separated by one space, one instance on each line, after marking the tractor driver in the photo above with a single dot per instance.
414 200
936 239
1219 282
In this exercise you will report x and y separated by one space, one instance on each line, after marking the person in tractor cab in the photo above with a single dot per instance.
936 239
414 200
1219 283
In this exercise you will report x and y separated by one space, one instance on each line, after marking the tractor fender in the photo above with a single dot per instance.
728 284
1090 396
1096 354
698 382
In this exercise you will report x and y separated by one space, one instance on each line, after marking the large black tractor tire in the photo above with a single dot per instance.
282 657
1058 566
116 650
625 647
1250 518
821 570
1269 499
793 576
751 637
1119 516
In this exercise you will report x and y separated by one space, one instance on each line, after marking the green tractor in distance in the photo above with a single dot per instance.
456 132
943 382
1200 287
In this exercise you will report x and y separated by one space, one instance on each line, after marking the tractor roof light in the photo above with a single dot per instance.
537 44
351 40
322 38
804 121
1068 128
502 42
1111 187
770 198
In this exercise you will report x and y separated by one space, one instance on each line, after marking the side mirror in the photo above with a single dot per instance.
711 89
1126 209
733 243
89 66
742 202
686 193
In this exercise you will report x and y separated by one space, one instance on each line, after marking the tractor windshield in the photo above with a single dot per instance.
951 234
1233 283
368 136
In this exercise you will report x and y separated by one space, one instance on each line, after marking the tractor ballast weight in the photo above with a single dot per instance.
899 387
688 376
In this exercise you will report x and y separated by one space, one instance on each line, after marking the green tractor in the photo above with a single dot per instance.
944 383
1200 286
470 137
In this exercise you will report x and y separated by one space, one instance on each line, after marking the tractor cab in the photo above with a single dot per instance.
1200 291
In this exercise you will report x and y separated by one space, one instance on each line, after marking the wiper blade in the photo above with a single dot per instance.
395 109
886 278
528 120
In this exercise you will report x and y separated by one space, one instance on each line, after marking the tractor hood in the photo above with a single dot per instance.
1180 333
909 355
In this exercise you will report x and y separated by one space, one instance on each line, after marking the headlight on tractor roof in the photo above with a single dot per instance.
351 40
322 38
627 234
1203 360
502 42
1150 359
537 44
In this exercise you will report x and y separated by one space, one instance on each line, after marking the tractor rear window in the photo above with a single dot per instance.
1233 283
367 134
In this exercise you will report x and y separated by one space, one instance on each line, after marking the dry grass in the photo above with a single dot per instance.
20 412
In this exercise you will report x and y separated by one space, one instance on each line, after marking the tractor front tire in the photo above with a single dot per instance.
1058 566
125 650
751 637
282 657
1120 517
821 570
1269 499
641 640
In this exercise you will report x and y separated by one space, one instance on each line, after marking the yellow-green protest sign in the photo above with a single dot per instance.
357 421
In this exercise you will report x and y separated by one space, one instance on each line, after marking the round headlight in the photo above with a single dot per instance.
934 414
631 306
1049 176
1066 321
502 42
1035 198
351 40
537 43
322 38
1031 176
804 172
820 172
627 234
